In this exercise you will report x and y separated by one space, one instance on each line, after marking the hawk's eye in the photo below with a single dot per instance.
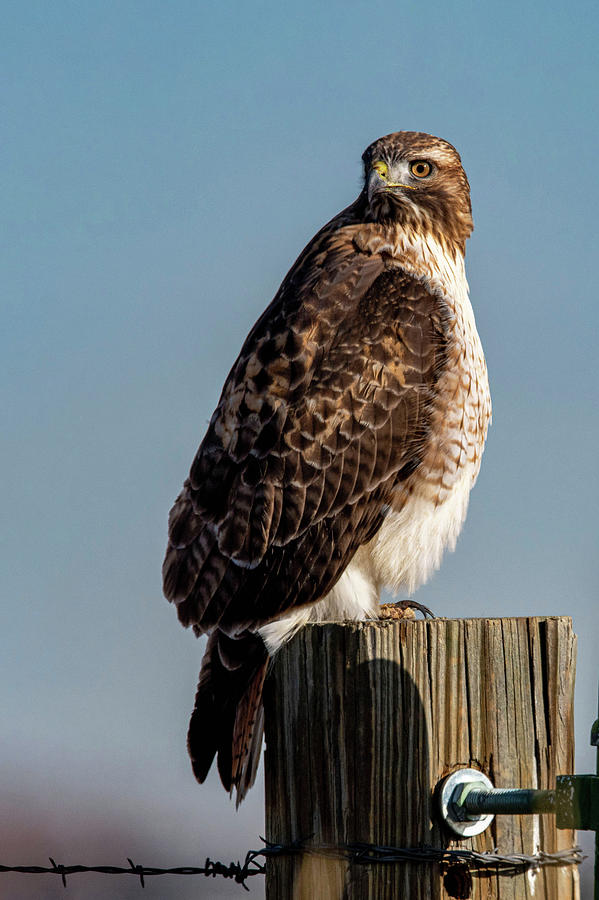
420 168
381 168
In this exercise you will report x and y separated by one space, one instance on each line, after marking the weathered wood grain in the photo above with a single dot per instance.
364 719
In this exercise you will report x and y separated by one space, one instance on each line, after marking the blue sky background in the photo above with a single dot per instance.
163 165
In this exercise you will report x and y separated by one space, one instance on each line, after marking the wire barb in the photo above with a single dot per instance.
59 870
139 870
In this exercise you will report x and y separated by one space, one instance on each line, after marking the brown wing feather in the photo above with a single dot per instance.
360 418
324 413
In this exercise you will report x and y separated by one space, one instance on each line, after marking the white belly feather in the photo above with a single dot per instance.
410 544
407 549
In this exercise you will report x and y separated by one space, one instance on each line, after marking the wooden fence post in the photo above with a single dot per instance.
364 719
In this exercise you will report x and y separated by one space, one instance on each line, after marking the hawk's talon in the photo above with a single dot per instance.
404 609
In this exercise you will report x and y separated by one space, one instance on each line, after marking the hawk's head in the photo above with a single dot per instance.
418 180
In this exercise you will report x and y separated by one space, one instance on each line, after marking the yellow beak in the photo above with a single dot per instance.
391 184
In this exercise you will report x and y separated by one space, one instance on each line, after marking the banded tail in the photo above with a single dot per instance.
228 716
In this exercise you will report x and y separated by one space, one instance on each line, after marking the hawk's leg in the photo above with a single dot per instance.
404 609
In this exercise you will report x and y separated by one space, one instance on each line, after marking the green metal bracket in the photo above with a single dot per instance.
577 802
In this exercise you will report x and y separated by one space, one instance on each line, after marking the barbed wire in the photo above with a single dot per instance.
212 868
359 854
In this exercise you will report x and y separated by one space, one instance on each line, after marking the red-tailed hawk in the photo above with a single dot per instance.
342 452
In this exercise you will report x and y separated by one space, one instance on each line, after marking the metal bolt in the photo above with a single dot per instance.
469 802
510 801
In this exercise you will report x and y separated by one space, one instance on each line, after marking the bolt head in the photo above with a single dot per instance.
453 791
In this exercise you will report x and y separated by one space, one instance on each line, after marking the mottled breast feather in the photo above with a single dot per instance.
325 412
